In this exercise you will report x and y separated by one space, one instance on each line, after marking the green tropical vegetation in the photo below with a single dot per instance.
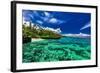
39 33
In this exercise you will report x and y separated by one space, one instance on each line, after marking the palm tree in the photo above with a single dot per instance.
30 25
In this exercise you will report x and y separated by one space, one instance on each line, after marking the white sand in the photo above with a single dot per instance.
34 40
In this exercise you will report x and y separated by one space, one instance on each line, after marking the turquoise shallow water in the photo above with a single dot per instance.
63 49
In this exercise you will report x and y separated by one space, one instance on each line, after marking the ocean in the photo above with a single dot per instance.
63 49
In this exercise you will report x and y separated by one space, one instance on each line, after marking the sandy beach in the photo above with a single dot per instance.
35 39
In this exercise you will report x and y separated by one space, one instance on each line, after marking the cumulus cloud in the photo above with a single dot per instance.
39 22
55 21
57 30
47 14
36 17
49 18
86 26
45 19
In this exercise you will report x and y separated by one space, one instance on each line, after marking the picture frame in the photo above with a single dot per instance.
37 45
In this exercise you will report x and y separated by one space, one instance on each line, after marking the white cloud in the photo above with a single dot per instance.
53 20
77 35
48 18
45 19
35 13
47 14
40 22
58 30
86 26
30 15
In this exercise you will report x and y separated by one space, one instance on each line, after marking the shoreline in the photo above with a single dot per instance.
36 39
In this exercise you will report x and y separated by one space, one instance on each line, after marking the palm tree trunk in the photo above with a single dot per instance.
30 25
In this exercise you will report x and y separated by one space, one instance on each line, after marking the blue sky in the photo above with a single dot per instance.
68 22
